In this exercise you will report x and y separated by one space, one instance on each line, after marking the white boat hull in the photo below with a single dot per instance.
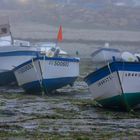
116 84
49 73
105 55
11 57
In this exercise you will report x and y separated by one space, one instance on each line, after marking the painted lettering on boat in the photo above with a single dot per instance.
25 68
105 80
59 63
132 74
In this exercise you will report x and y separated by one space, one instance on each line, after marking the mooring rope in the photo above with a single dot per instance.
42 71
39 79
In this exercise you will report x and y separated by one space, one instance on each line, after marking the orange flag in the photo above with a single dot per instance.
60 35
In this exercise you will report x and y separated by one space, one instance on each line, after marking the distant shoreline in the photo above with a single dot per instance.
44 32
81 41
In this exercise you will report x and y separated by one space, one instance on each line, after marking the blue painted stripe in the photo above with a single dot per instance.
59 58
114 66
48 84
18 53
48 58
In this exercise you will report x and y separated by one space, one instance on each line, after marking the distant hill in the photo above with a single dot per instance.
93 14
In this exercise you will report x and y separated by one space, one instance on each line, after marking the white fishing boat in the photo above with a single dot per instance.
47 73
102 55
12 54
105 54
11 57
117 83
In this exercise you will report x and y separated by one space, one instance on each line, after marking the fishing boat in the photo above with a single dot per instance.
102 55
12 53
47 73
11 57
117 83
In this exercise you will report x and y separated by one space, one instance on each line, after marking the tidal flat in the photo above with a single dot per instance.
68 114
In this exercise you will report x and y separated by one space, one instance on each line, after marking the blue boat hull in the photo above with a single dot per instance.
48 85
7 78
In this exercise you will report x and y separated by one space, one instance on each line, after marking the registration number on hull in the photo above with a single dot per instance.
59 63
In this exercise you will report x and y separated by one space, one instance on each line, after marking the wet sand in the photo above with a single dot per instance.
68 114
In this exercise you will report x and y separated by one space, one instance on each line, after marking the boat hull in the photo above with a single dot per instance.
11 59
47 74
105 55
7 77
48 85
132 99
116 85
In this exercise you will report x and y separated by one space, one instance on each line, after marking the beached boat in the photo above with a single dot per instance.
47 73
12 53
11 57
102 55
117 84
